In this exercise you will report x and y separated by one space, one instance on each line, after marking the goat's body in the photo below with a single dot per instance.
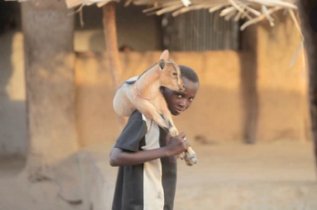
122 102
144 95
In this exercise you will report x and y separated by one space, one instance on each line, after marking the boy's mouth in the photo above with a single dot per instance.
178 110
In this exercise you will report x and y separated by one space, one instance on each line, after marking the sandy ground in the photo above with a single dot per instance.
265 176
278 175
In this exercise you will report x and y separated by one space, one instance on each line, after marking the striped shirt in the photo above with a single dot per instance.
147 186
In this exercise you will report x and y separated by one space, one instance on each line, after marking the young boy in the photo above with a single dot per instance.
146 155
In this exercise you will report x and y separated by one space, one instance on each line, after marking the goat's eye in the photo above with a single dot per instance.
174 74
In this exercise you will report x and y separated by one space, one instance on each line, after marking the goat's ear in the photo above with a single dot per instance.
162 64
165 55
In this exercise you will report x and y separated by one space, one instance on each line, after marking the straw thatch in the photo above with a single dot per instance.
252 11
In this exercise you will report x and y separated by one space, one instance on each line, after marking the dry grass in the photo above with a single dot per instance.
253 11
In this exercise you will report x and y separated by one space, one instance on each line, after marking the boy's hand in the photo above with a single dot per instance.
176 145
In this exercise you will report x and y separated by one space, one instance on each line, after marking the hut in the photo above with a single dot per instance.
260 95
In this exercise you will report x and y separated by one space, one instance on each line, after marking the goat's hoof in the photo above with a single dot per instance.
190 158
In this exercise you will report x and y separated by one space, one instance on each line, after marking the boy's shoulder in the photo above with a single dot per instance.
136 116
132 134
139 117
137 120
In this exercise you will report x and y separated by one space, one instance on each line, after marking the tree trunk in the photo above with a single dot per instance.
112 50
308 14
49 64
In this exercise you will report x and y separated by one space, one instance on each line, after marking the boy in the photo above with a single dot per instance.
146 154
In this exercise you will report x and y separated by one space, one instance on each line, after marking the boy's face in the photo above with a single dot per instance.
178 102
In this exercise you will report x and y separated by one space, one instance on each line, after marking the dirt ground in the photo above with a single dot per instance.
229 176
279 175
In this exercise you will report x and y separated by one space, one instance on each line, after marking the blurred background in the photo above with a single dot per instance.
249 124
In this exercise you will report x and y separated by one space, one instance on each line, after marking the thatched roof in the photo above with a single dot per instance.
251 10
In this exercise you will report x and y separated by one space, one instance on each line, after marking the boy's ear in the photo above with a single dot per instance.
165 55
162 64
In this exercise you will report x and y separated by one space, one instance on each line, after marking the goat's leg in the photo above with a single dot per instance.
159 119
150 112
189 155
171 127
168 117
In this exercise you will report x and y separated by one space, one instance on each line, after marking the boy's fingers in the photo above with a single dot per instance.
184 139
185 142
182 135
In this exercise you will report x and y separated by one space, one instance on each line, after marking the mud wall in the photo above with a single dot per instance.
217 113
275 65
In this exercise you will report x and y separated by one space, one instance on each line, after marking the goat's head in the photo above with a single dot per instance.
170 75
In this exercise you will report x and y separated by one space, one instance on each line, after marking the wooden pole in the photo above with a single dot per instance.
112 51
308 11
111 41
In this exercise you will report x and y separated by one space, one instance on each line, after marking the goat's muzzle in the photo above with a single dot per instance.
182 88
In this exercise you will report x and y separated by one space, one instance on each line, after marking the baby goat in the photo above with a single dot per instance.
143 93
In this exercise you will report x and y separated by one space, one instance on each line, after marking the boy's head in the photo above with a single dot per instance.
178 102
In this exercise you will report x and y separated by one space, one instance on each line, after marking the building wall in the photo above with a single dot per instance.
282 81
12 96
215 116
211 115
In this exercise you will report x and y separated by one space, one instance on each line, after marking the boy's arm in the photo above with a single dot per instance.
174 146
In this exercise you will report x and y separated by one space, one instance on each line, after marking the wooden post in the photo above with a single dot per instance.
308 11
110 33
249 87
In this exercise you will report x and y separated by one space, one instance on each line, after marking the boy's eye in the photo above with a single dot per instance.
179 96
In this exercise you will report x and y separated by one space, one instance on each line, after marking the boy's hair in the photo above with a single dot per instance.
188 73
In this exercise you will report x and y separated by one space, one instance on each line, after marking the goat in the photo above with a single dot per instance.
143 93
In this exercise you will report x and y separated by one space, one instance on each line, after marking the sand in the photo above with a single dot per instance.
269 176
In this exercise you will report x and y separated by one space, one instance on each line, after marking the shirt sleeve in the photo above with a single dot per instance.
133 133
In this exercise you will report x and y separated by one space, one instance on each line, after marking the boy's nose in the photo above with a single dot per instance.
183 103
